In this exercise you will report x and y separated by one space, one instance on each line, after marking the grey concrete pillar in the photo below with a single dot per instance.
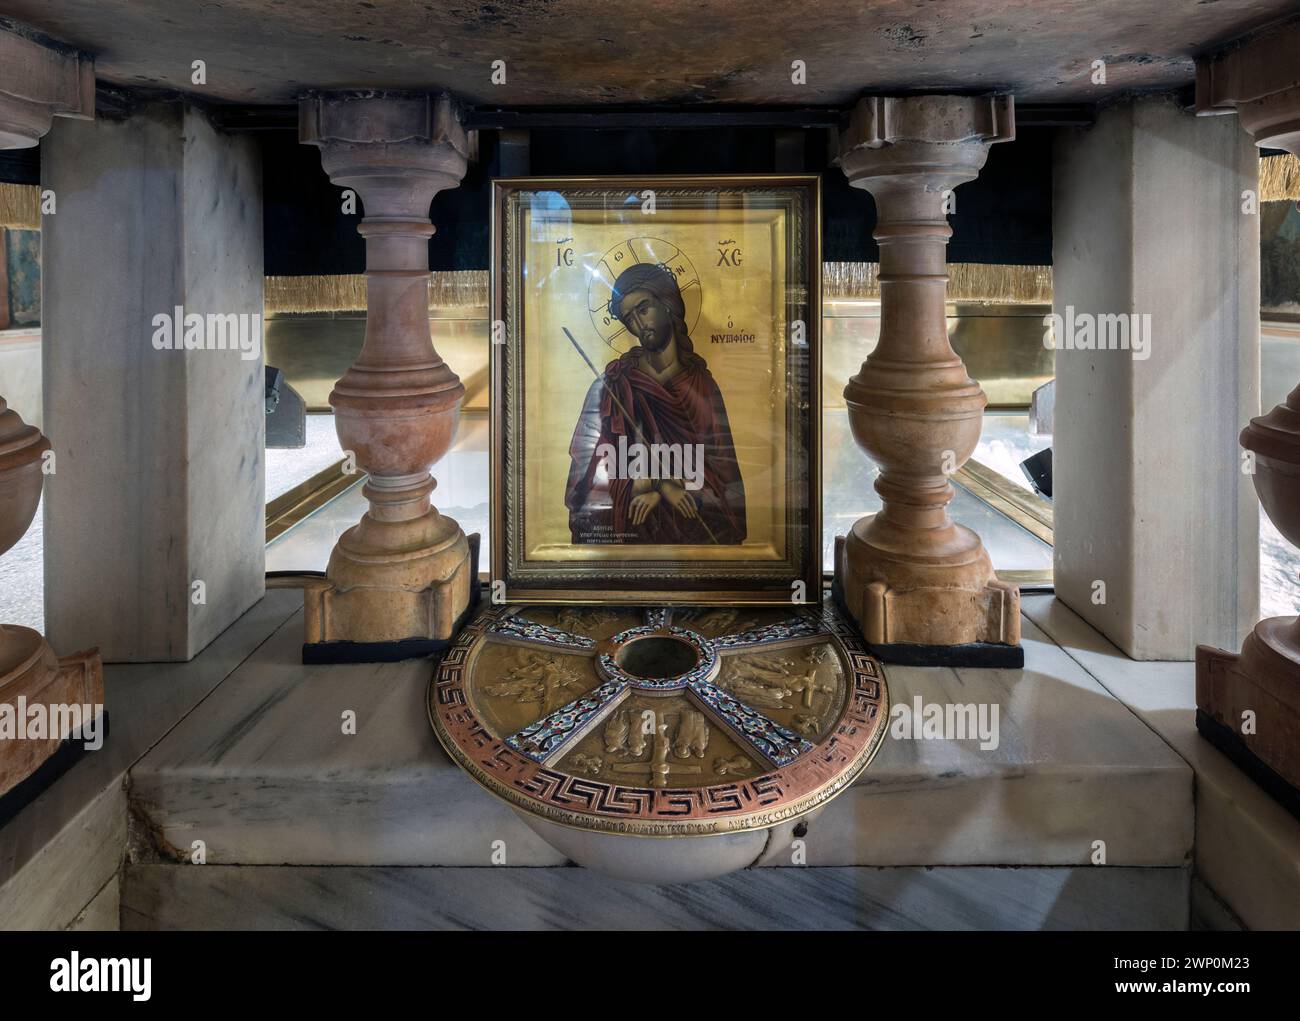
155 515
1156 524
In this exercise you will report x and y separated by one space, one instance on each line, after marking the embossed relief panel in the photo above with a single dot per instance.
801 687
692 749
716 621
660 721
523 683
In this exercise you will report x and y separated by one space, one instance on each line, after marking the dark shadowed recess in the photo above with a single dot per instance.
1004 216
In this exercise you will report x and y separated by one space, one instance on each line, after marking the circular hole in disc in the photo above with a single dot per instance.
656 657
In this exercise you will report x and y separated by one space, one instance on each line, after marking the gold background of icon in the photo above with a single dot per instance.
750 376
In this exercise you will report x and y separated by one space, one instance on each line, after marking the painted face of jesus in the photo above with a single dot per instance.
648 319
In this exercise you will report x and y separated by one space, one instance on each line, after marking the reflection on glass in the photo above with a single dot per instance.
848 494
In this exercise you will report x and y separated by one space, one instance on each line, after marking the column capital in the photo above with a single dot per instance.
40 80
945 138
875 121
367 134
1259 78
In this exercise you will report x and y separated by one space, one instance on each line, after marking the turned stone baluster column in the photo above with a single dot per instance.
909 575
404 571
1248 704
37 83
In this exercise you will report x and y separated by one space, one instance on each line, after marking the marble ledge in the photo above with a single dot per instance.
1247 846
264 775
104 912
58 851
233 897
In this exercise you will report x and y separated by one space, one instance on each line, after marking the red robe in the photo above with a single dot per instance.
686 409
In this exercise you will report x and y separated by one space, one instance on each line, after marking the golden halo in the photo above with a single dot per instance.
629 253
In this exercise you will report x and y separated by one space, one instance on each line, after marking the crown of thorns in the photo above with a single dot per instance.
616 296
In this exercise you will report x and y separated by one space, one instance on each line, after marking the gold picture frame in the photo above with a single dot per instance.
656 390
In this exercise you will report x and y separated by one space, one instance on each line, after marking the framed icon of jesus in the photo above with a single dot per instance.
656 403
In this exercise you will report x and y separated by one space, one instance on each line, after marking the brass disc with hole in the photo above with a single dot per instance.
660 722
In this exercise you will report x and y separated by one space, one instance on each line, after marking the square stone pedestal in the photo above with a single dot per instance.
304 824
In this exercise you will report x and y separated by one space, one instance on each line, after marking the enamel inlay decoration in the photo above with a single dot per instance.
725 732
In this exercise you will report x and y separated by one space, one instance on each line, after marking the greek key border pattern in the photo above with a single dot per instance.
752 803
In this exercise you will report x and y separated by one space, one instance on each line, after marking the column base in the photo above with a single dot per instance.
41 779
32 673
982 655
1264 679
375 625
931 616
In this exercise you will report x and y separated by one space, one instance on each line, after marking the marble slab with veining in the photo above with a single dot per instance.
264 774
234 897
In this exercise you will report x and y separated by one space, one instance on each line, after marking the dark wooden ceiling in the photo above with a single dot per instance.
668 52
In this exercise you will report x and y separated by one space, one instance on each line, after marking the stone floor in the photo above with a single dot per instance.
1247 846
228 897
62 854
262 773
288 807
305 826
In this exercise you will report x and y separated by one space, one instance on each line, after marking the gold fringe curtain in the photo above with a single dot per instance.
967 281
315 294
1279 178
20 206
840 280
460 288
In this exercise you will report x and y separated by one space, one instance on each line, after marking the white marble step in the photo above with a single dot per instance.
266 897
263 774
58 854
1247 845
